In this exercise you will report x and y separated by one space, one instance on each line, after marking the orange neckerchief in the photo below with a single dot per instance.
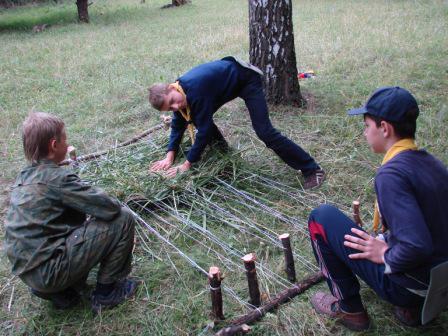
186 113
398 147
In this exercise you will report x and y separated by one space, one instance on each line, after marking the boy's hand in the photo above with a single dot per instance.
172 172
371 248
164 164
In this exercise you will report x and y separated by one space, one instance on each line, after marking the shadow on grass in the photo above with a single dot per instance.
23 19
26 17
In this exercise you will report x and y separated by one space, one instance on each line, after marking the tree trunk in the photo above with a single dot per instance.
83 12
179 2
272 49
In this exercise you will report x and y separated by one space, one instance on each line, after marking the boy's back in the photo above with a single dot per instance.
412 191
47 203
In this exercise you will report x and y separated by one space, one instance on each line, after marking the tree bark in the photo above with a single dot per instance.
83 11
179 2
272 49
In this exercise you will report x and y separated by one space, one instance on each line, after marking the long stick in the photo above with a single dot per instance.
281 298
95 155
356 214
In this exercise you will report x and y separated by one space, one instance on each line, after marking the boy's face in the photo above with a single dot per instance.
59 148
174 101
374 135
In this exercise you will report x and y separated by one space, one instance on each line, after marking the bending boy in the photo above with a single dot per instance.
412 192
199 93
58 227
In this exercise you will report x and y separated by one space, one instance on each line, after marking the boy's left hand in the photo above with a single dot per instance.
371 248
172 172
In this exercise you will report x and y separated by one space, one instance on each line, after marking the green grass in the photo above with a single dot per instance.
95 76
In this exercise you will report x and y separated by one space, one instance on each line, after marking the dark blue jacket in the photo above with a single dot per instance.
207 87
412 191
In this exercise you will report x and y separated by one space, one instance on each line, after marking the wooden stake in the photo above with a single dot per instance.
289 258
356 215
281 298
251 273
214 279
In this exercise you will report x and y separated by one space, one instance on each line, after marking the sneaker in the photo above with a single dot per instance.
408 316
315 179
63 300
327 304
123 290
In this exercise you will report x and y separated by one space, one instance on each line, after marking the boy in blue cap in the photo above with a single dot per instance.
412 193
199 93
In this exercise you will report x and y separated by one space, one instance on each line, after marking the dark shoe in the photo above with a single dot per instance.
408 316
65 299
122 291
327 304
315 179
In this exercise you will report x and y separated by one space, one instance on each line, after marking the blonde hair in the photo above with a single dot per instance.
37 131
157 93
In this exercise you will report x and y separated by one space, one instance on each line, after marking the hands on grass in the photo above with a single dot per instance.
164 164
371 248
172 172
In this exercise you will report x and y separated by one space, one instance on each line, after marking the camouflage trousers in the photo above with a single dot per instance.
107 243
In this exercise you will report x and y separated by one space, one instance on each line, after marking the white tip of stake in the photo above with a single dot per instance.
283 236
213 270
71 152
355 202
249 257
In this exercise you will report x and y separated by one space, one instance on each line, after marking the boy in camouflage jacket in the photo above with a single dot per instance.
58 227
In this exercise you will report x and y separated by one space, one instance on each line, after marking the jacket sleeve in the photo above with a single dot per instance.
410 242
87 199
203 119
178 126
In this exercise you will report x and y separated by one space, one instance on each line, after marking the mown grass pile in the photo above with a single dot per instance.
95 76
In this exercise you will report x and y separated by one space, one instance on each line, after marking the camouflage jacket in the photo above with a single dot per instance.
47 203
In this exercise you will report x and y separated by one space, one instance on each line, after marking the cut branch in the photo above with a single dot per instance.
289 258
252 281
214 278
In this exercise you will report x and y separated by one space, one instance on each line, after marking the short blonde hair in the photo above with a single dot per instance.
157 93
37 131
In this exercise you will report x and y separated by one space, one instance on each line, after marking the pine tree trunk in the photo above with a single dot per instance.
83 12
272 49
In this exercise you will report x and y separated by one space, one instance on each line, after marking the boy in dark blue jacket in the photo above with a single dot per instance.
199 93
412 193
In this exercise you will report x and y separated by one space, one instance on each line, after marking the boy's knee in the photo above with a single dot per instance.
322 212
125 220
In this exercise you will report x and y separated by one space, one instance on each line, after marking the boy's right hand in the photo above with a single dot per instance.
164 164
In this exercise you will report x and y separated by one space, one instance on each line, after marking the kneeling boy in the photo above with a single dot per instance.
412 193
58 227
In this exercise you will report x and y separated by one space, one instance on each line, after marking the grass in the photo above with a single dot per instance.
95 76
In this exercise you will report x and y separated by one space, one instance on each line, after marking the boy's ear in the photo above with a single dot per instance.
388 129
52 145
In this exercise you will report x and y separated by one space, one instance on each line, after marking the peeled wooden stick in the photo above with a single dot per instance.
95 155
233 330
356 215
252 281
214 279
289 258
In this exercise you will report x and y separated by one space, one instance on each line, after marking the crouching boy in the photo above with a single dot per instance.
58 227
412 192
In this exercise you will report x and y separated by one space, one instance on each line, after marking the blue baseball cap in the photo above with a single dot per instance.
389 103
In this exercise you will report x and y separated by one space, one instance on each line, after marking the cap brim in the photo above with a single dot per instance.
361 110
